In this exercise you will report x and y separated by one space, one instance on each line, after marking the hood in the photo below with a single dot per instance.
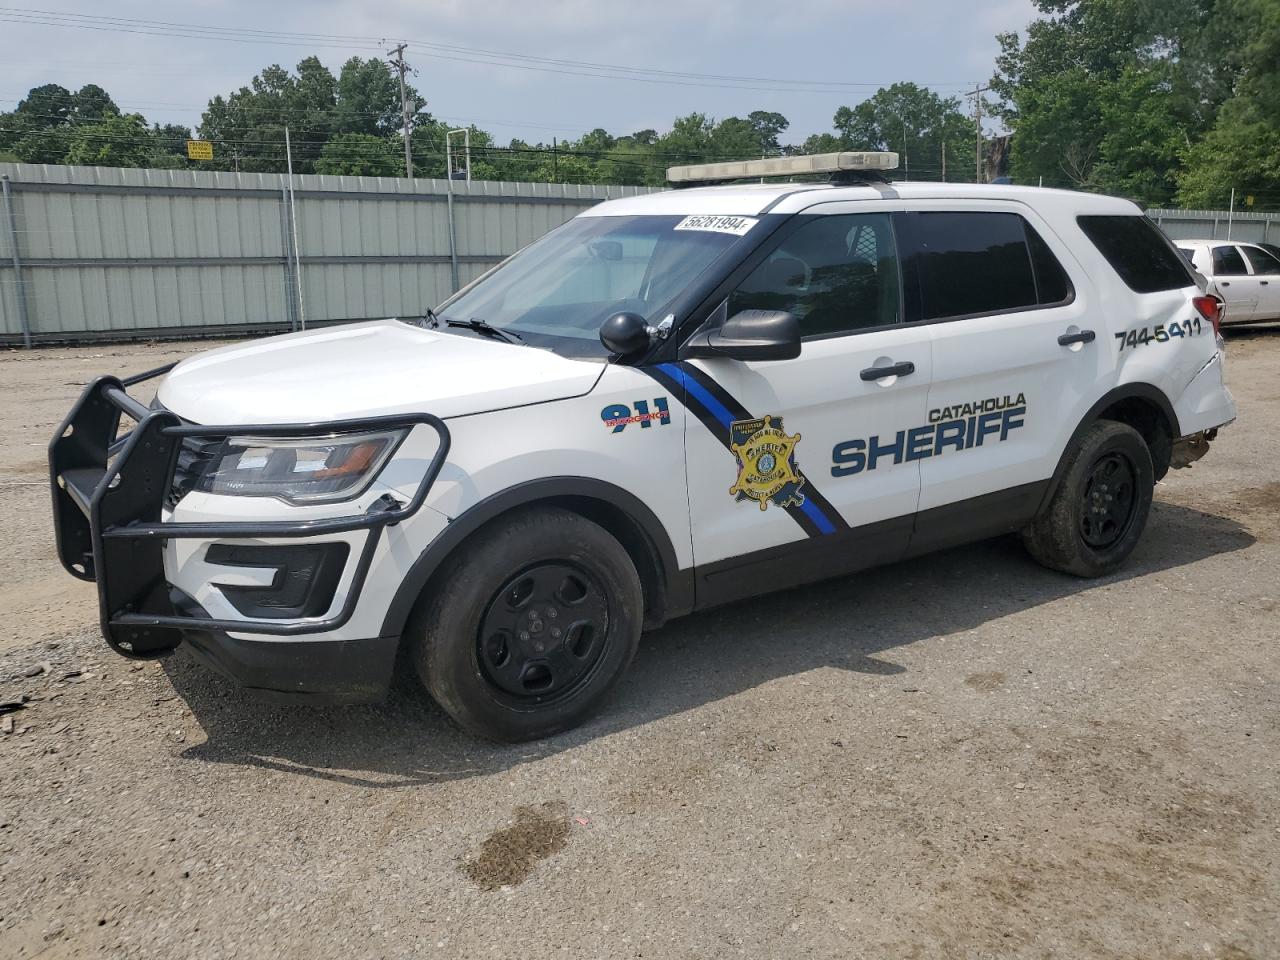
368 369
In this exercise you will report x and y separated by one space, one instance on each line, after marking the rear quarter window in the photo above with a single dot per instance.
1136 249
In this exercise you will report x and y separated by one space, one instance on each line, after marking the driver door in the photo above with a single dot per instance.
800 468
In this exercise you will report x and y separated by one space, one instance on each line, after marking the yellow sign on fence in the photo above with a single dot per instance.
200 149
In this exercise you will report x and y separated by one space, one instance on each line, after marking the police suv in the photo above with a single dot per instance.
671 402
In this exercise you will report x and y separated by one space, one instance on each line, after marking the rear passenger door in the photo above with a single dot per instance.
1266 272
989 284
1238 287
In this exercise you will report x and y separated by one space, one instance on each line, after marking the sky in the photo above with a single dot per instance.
842 49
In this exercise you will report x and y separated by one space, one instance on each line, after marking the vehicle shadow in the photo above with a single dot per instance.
850 623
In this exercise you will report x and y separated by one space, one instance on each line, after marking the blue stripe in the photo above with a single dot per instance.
714 406
717 410
817 516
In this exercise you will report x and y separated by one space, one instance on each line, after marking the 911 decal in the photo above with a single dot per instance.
1141 336
957 427
618 415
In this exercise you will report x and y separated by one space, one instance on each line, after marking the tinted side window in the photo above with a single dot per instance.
1227 262
1262 261
836 273
1136 249
959 264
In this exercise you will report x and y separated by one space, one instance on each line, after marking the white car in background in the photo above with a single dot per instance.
1246 277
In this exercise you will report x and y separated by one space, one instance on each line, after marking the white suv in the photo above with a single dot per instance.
671 402
1246 276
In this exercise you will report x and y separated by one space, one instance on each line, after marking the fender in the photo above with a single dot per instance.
1126 391
675 587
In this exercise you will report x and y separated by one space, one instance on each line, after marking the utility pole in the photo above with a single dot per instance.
944 161
977 122
400 67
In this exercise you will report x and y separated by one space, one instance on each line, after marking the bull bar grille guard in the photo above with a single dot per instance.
108 494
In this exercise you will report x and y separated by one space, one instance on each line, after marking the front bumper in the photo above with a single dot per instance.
315 672
108 497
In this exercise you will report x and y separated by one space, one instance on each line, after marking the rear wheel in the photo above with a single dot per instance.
531 627
1100 508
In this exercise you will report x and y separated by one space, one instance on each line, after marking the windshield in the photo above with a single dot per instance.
573 279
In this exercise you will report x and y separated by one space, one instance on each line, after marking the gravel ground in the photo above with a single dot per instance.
959 756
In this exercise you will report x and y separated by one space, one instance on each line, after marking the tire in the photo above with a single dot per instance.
1095 517
531 627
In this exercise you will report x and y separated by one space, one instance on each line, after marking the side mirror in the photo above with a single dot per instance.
625 334
749 335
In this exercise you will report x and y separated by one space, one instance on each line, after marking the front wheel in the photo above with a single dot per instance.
531 627
1100 508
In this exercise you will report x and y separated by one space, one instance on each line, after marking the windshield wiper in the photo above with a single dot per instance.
432 318
486 328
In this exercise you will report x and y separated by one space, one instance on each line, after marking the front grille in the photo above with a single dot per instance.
194 457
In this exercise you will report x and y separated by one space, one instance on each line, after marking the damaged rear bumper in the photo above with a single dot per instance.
1187 450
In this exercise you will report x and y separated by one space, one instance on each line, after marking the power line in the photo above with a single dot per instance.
445 51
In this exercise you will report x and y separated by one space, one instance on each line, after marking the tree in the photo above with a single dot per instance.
251 121
821 143
46 106
911 120
92 104
768 126
368 99
1109 94
44 145
118 141
1242 149
361 155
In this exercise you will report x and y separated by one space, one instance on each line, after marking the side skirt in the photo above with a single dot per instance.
871 545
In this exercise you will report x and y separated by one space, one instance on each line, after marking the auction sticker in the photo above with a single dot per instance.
738 226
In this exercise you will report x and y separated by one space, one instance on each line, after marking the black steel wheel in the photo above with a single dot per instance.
534 621
1108 500
1100 505
544 631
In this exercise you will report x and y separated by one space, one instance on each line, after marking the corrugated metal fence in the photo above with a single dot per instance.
114 253
96 252
1218 225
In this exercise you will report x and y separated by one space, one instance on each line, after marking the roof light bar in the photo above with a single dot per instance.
783 166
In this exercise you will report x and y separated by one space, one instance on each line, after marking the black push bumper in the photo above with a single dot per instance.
108 494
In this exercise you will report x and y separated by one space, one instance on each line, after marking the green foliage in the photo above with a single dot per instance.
92 104
367 99
1242 149
361 155
913 121
118 141
44 145
1145 98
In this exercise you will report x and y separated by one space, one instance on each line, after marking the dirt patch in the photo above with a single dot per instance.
985 682
509 855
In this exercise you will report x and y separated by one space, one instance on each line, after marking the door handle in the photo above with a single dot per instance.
1084 336
1265 282
1224 283
892 370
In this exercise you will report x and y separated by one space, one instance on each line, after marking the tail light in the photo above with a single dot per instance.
1210 307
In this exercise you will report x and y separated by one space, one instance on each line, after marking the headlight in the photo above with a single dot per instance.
312 470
